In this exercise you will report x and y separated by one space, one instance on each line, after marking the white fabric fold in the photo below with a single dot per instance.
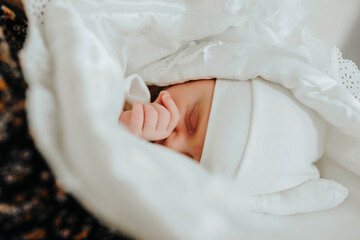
228 127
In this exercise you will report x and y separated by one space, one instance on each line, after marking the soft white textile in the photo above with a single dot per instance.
78 60
228 127
261 136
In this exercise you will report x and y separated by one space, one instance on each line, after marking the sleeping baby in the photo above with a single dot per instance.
254 132
248 130
177 119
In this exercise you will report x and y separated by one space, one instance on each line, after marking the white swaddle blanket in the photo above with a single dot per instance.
80 68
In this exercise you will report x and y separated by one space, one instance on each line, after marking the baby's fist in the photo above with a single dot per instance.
152 121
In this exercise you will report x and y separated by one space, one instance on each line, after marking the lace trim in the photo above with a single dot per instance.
37 67
330 61
37 8
348 75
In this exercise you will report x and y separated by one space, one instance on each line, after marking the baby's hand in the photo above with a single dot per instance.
152 121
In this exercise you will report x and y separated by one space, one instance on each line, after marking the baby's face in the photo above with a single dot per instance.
193 100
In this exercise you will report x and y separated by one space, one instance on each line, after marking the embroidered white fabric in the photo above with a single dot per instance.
348 75
159 70
186 55
327 60
39 67
330 61
37 9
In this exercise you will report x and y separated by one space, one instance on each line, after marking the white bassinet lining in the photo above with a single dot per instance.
201 218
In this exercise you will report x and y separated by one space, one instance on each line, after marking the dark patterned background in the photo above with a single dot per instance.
32 205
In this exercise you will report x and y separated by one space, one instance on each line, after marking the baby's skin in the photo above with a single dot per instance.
152 121
177 119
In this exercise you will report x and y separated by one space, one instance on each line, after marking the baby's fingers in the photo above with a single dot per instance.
159 98
164 117
174 111
137 119
151 118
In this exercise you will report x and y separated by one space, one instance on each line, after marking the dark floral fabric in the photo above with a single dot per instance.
32 204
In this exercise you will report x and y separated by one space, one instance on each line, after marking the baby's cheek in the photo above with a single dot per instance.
200 144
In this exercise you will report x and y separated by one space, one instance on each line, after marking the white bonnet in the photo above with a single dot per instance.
260 135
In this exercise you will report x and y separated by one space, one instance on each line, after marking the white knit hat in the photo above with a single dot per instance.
260 135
